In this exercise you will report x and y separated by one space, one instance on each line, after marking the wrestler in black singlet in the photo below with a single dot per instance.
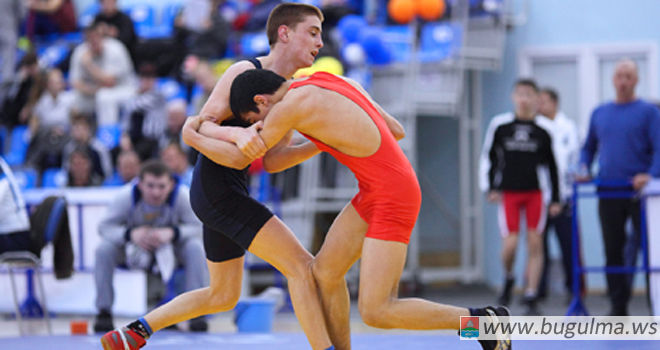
219 197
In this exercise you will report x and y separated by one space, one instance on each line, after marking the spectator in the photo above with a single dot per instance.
176 117
80 169
102 75
82 136
626 135
128 168
149 223
203 29
117 25
176 160
53 108
206 78
566 147
145 114
11 15
50 16
514 147
22 92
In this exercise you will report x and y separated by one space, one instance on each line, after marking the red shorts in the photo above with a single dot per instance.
513 202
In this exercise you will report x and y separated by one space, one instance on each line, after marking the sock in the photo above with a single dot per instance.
141 327
332 347
477 311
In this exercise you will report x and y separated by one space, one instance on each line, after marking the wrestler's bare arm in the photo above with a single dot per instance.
284 155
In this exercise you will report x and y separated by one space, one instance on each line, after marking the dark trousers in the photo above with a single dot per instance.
562 225
619 249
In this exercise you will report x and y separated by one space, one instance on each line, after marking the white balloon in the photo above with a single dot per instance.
354 54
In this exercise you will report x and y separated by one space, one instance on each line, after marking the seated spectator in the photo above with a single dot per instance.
117 25
202 28
145 114
22 92
82 135
50 16
177 161
101 73
176 117
80 173
206 78
128 168
53 109
150 223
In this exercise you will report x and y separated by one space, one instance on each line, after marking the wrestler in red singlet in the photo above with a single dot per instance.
389 198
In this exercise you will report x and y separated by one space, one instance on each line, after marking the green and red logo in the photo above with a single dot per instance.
469 326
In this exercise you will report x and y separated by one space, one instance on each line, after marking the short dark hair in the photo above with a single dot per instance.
288 14
552 93
526 82
154 167
249 84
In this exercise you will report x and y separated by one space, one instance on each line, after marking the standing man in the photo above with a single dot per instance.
340 118
514 150
626 135
233 222
148 224
566 147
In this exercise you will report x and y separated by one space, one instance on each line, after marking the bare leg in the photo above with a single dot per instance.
221 295
380 271
509 251
534 260
276 244
340 250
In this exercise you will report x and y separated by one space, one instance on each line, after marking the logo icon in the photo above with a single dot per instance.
469 326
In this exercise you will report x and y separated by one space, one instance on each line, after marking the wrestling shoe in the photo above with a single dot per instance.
494 313
122 339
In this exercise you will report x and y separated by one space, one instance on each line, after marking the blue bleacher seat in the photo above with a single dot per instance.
144 18
18 145
26 178
439 41
109 135
170 88
397 40
254 44
86 17
53 177
53 54
114 180
3 139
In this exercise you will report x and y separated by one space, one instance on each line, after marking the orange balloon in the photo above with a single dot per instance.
430 10
402 11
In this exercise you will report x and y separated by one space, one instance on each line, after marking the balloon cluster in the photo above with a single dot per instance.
361 42
403 11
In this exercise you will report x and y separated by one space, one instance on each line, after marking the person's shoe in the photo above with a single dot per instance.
199 324
103 322
618 311
531 307
505 297
122 339
494 313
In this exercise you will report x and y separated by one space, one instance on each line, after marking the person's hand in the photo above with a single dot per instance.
189 129
640 180
494 196
162 235
86 58
554 209
141 237
249 141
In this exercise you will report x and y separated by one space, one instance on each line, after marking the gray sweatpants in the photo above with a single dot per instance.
189 254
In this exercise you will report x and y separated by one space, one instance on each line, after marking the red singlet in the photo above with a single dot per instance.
389 198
